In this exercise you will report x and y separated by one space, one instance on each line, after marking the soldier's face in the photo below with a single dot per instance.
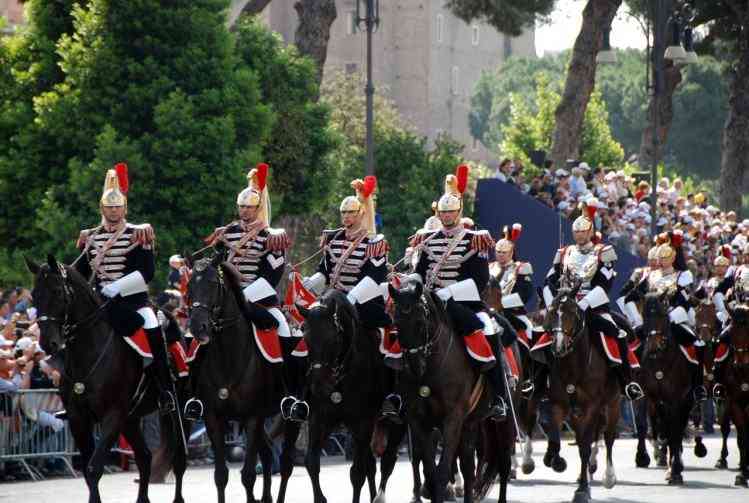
720 270
581 237
248 213
113 214
448 218
666 262
504 257
653 263
351 219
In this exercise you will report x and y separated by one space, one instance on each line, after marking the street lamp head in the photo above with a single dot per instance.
691 56
606 55
675 51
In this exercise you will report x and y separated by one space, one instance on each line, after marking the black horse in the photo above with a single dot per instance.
582 385
444 390
231 377
667 380
102 378
736 382
345 384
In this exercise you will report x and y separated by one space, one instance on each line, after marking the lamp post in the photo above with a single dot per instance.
370 22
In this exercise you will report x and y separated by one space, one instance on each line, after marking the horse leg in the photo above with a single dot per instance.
359 470
254 435
317 435
111 426
584 437
179 462
83 433
451 435
424 445
467 466
609 435
553 458
216 427
642 458
134 437
741 443
725 431
416 460
291 432
389 457
679 421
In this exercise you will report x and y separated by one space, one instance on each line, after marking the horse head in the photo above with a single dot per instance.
329 329
411 316
493 293
564 319
656 323
54 295
706 320
206 292
739 334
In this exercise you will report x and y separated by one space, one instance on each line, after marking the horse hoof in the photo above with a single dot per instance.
548 457
581 496
425 492
700 450
559 464
528 467
609 479
721 464
450 492
268 499
513 475
642 460
592 468
740 481
380 498
676 480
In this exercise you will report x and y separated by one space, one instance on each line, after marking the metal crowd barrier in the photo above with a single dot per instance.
26 431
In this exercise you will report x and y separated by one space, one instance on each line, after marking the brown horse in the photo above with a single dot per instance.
736 382
583 385
708 330
527 408
666 377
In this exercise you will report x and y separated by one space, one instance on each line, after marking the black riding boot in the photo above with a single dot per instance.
631 389
700 393
496 377
538 381
193 410
160 370
392 404
292 408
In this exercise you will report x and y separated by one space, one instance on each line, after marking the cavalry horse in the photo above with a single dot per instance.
736 382
345 384
103 380
666 376
582 385
443 390
232 378
527 409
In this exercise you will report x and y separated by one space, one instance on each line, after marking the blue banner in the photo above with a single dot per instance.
544 230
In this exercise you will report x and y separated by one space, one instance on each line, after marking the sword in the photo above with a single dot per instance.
519 436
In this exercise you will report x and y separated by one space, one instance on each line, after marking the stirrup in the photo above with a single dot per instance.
391 408
719 391
299 411
167 404
700 393
634 392
526 388
287 403
498 410
193 409
61 415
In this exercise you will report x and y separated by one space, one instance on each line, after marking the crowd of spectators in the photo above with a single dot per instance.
624 212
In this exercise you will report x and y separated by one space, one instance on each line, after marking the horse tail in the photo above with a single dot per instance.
489 460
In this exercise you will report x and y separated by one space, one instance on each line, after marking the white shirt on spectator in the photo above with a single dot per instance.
578 185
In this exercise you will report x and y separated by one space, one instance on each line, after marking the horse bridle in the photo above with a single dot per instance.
578 327
338 367
67 328
214 312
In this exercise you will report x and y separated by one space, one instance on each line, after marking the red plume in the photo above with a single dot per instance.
262 175
677 238
516 230
461 173
591 211
121 169
370 183
725 250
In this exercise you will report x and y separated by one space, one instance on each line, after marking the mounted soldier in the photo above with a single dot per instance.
675 281
258 253
592 265
453 263
733 289
118 259
354 262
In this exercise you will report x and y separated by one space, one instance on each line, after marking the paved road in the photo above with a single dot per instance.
704 484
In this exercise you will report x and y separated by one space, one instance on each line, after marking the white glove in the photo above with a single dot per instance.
722 316
110 290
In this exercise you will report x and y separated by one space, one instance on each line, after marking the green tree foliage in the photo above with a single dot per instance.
700 105
531 127
300 139
507 16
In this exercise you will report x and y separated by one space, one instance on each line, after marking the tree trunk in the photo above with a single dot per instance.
734 165
672 78
313 33
239 7
581 76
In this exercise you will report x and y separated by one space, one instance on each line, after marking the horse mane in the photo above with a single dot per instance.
337 300
234 282
81 285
